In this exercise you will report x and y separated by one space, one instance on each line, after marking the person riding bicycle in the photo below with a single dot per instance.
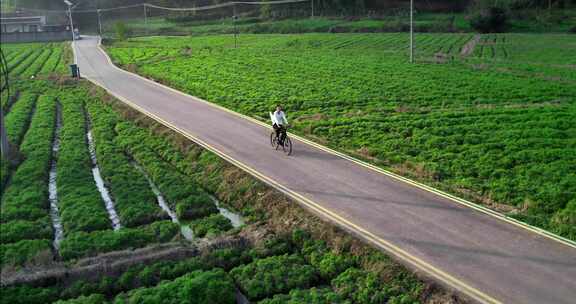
279 123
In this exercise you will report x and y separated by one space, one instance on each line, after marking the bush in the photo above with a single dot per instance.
196 287
121 31
310 296
195 207
366 288
24 251
212 225
278 274
28 295
572 30
490 20
92 299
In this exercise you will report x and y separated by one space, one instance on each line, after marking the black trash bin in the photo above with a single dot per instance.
75 70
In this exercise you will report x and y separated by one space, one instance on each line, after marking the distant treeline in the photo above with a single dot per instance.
328 5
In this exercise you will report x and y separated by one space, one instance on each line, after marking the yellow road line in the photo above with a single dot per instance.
451 197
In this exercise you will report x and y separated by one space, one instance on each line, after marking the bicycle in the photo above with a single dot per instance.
275 143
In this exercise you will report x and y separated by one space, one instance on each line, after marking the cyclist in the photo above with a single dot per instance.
279 123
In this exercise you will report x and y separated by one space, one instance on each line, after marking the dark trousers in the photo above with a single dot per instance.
280 132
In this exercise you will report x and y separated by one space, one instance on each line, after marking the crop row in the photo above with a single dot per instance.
134 200
184 196
25 62
19 117
25 224
81 206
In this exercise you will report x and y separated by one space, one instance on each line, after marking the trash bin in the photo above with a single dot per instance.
75 70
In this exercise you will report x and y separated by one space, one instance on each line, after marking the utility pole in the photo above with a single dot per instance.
70 17
145 19
99 18
411 31
4 145
99 23
312 4
235 18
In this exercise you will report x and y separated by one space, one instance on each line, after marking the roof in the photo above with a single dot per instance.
39 20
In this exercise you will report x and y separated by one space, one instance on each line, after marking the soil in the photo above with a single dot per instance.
468 48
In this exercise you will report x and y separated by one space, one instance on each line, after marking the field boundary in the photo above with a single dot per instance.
422 186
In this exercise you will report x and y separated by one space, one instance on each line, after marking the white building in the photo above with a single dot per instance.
22 24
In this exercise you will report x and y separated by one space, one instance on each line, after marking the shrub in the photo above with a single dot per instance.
121 31
92 299
572 30
365 288
278 274
24 251
28 295
490 20
196 287
212 225
195 206
310 296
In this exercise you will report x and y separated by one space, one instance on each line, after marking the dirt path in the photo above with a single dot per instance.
470 46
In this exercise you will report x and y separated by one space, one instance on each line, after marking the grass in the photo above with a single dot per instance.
496 130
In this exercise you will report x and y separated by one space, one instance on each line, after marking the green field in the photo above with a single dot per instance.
63 130
495 126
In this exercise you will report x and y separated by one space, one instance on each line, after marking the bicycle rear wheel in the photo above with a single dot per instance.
287 147
273 140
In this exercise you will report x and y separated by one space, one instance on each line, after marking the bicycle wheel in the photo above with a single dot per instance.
287 147
273 140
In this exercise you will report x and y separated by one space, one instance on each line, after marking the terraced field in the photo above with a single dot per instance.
102 206
495 126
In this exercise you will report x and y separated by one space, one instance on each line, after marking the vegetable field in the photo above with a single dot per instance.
92 183
494 124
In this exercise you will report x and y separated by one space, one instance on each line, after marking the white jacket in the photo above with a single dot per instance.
279 118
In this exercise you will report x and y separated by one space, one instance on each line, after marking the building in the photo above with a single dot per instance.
27 24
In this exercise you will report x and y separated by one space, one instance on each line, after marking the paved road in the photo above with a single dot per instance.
489 259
